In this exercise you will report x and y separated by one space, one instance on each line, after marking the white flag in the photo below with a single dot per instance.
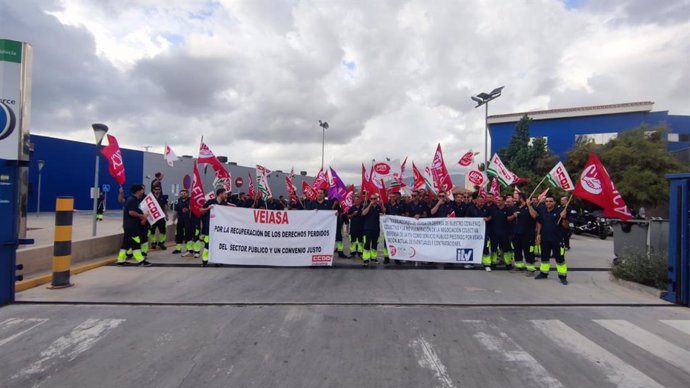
169 155
500 171
558 177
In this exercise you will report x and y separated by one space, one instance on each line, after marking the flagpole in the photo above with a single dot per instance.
539 184
565 208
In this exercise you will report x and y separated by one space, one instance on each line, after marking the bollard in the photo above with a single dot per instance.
62 247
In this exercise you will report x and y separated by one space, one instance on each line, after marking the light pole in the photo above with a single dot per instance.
99 131
38 200
483 99
323 125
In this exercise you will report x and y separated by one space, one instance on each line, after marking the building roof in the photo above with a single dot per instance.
594 110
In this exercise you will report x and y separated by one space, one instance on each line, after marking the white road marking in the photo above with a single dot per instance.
12 322
427 358
616 370
492 338
81 339
682 325
650 342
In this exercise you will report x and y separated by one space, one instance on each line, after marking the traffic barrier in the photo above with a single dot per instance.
62 246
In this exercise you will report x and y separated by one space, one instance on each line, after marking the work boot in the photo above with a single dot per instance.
122 263
564 280
162 246
341 255
541 275
144 263
386 260
204 263
176 251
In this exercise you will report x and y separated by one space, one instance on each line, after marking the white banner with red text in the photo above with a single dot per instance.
153 210
293 238
439 240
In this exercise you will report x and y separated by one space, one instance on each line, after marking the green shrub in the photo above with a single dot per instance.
637 267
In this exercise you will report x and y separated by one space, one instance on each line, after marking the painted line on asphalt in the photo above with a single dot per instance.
616 370
682 325
13 322
79 340
649 342
428 359
523 364
344 304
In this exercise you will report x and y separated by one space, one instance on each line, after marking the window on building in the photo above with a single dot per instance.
673 137
598 138
546 140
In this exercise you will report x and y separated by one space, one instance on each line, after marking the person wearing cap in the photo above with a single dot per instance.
182 218
372 229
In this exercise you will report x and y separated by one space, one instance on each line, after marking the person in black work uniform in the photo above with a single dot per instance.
184 230
501 217
356 227
416 207
273 204
339 245
100 205
159 225
220 199
132 220
459 204
372 229
523 234
320 203
479 210
551 226
395 207
442 208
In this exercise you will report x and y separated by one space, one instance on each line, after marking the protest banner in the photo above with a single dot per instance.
154 212
241 236
440 240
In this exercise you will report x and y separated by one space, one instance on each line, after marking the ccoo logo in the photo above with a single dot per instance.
7 120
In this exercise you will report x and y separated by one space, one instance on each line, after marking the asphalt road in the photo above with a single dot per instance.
187 326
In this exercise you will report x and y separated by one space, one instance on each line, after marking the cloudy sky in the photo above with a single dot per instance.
391 77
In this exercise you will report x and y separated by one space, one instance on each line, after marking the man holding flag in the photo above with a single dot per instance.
551 227
132 220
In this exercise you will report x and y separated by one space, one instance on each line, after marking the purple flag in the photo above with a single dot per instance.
338 190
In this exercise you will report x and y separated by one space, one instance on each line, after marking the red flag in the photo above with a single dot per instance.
467 159
419 182
251 192
542 196
197 195
495 190
116 166
383 193
517 180
439 172
595 185
308 191
321 181
207 157
482 192
365 182
291 189
349 200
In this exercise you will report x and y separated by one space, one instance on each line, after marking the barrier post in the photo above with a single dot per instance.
62 247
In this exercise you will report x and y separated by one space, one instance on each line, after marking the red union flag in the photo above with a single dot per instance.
291 189
495 190
206 156
321 181
559 177
467 159
349 199
250 191
439 172
477 178
197 195
595 185
308 191
116 166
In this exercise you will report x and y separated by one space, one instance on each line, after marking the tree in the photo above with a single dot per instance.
532 161
637 161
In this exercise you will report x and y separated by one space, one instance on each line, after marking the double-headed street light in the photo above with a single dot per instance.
324 126
40 164
99 130
483 99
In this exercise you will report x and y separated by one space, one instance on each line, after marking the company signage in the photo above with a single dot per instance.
12 93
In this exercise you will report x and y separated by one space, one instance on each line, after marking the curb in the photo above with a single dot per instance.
43 279
636 286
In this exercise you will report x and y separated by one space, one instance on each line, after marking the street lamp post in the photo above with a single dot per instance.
483 99
40 163
324 126
99 131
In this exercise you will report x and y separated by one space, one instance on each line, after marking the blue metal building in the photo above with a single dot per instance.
561 127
